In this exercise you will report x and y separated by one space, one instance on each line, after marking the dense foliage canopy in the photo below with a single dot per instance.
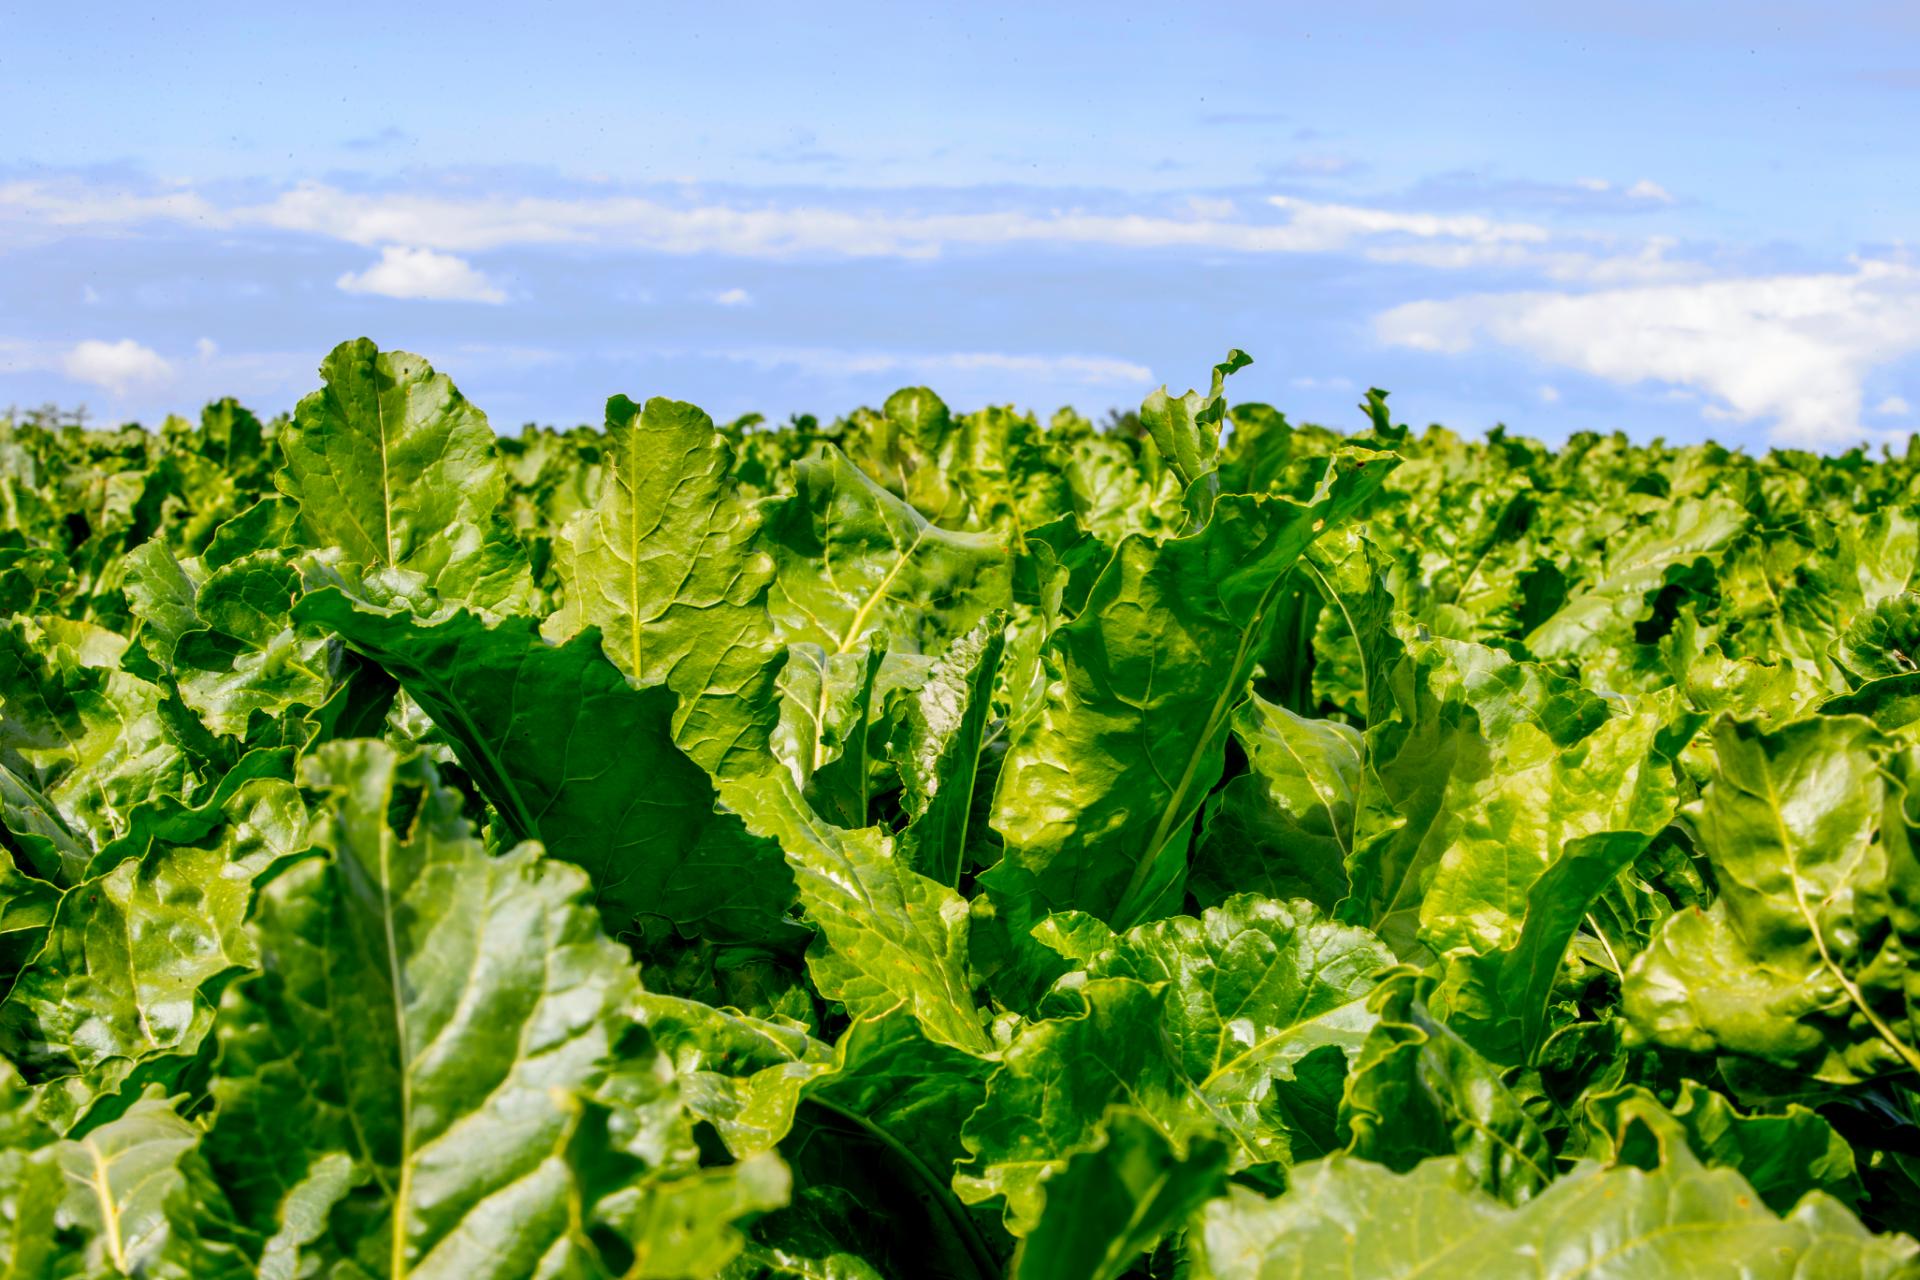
933 845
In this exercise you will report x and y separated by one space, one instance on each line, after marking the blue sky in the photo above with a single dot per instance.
1686 220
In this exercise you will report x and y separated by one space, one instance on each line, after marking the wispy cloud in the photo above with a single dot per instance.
459 223
1583 195
735 297
1790 350
424 275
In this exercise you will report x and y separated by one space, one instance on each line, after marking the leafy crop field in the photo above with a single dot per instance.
923 845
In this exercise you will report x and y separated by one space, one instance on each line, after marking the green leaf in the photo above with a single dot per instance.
1802 959
26 909
1357 644
1419 1090
938 752
1444 713
427 1009
1637 564
1056 1080
1345 1217
1200 1024
890 939
740 1074
302 1219
850 558
1783 1156
226 641
1501 1004
830 709
571 754
664 564
892 1078
1537 798
1254 987
1099 791
145 1200
1883 641
128 975
39 837
32 1184
1285 827
1380 419
1116 1200
874 1144
1187 428
640 1222
391 465
90 740
256 799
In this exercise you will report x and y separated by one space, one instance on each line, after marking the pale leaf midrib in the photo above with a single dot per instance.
386 478
403 1192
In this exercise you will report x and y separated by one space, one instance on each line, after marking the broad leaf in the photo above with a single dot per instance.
391 465
427 1009
850 558
1099 791
570 753
938 753
891 940
1284 828
1202 1025
1783 1155
1345 1217
1115 1200
128 975
1802 959
664 566
139 1190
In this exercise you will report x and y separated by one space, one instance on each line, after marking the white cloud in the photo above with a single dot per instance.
1646 264
445 224
144 385
1549 395
1459 242
30 210
487 222
1791 350
1077 369
733 298
1332 226
118 367
1647 189
1893 407
424 275
1593 184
